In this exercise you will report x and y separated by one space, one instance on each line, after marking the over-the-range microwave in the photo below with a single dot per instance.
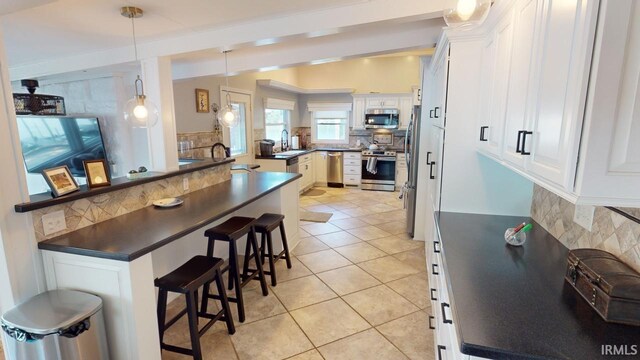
381 119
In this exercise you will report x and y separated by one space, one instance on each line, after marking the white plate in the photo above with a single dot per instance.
168 202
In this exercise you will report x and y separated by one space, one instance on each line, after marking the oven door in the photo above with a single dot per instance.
385 176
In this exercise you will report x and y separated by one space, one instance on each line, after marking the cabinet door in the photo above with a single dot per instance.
435 166
320 166
519 94
406 111
441 72
374 103
357 116
563 64
490 134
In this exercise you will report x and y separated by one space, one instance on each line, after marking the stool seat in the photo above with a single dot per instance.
268 222
230 230
190 275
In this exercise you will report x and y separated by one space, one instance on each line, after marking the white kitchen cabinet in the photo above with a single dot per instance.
320 168
406 111
416 94
359 108
352 168
305 167
382 102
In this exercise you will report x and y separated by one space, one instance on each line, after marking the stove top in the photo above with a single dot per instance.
378 153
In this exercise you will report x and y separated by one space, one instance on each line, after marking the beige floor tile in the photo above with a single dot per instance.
309 355
368 233
362 210
323 260
382 208
362 346
348 279
387 268
340 238
404 236
360 252
214 344
379 304
329 321
339 215
350 223
415 258
277 337
320 228
414 288
302 292
343 205
320 208
410 335
393 245
394 227
302 233
308 245
308 201
374 219
257 306
297 270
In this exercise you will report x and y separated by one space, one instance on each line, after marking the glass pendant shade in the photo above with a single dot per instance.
228 117
467 13
140 112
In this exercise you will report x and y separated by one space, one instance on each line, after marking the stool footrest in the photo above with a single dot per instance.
177 349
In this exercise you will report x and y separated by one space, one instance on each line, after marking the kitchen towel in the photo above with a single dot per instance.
371 165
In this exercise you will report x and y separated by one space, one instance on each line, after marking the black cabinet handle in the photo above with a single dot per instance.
436 249
434 269
524 140
444 314
430 114
433 297
431 176
482 129
435 112
430 323
428 155
440 348
518 142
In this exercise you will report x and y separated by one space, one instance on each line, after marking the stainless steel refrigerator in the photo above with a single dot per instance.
411 149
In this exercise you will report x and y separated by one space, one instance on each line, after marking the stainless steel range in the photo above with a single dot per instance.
378 170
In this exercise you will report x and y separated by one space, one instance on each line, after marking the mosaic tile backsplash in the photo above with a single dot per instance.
611 231
199 144
95 209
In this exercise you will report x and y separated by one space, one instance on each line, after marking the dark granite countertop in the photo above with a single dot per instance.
130 236
244 166
512 302
39 201
277 156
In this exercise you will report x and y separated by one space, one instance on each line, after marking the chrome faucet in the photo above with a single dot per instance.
284 140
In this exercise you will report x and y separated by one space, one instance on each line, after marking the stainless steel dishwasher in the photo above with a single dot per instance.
334 169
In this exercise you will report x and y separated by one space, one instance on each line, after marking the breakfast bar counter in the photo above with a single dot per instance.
118 259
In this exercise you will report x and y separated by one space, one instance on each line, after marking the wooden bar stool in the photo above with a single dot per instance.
230 231
186 279
264 225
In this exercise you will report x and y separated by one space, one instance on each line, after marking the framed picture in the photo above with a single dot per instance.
60 180
202 100
97 174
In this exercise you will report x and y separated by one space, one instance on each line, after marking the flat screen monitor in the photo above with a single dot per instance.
51 141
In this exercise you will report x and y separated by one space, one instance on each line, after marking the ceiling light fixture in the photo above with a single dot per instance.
227 116
139 111
467 13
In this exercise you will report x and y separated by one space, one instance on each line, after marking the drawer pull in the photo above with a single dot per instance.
436 249
431 176
433 297
518 142
435 112
430 323
440 348
428 155
482 129
434 269
444 313
524 140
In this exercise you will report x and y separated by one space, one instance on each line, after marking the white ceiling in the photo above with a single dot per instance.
62 27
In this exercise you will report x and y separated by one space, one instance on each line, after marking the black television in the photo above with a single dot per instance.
50 141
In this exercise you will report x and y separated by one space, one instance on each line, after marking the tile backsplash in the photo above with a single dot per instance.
94 209
611 231
199 144
365 137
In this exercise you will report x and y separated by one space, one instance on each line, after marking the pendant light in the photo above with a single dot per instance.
139 112
227 117
467 13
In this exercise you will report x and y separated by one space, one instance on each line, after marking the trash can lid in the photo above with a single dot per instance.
51 311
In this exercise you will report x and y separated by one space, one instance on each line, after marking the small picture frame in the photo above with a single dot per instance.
202 100
60 180
97 173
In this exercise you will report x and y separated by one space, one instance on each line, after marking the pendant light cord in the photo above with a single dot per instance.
226 76
133 30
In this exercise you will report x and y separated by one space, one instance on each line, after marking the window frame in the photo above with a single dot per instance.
314 127
286 121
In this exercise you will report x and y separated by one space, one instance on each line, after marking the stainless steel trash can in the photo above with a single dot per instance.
57 324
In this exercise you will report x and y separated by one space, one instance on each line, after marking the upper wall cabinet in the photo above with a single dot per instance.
362 102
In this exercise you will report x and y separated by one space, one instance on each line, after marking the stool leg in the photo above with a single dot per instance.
245 267
262 246
285 245
210 247
272 266
224 303
193 326
204 304
162 313
234 273
256 252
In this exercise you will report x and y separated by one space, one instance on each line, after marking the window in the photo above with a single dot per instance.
275 120
238 133
330 126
